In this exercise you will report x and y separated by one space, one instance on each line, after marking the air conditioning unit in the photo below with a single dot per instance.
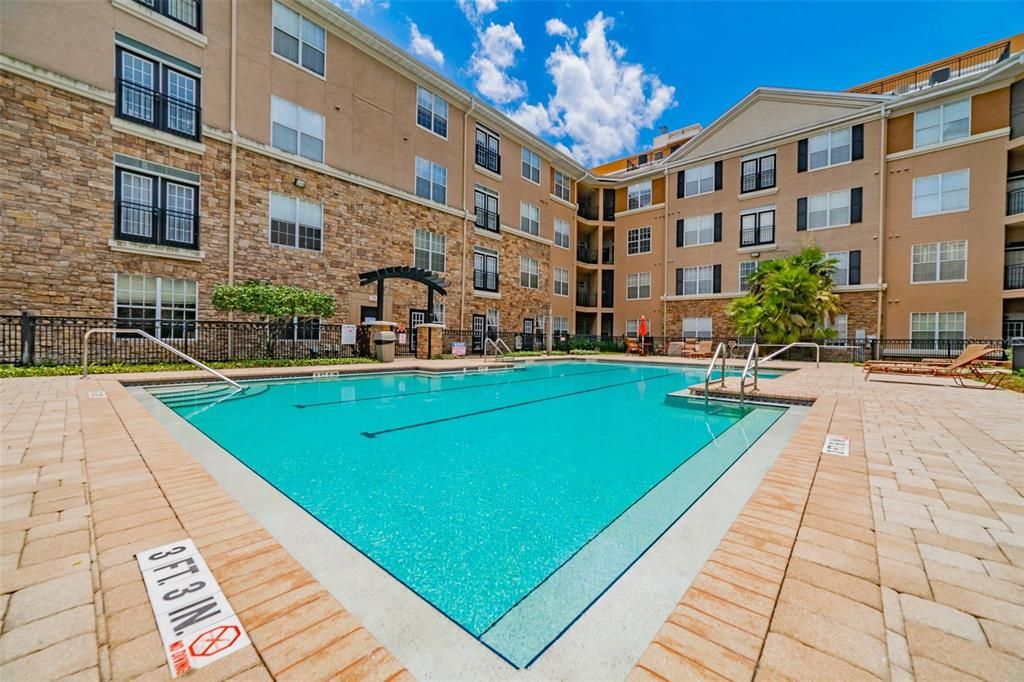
939 76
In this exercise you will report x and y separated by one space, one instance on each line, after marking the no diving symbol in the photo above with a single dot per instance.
215 640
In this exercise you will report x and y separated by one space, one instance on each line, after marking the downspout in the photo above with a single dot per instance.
664 266
881 220
234 142
465 211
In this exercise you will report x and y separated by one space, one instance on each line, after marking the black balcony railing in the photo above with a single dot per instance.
608 254
586 210
186 12
586 299
488 220
586 254
1015 201
608 205
963 65
488 158
757 236
1013 276
150 225
157 110
485 280
761 180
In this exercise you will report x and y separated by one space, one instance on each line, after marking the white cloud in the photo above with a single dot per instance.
493 55
557 27
601 102
476 10
423 46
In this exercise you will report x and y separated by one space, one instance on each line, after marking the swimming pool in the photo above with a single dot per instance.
509 500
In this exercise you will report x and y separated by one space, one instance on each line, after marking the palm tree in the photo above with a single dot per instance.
789 299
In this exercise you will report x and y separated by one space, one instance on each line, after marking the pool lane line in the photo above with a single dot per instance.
374 434
457 388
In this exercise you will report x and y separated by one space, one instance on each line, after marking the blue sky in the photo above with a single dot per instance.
598 78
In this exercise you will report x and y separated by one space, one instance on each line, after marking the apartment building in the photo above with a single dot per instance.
177 144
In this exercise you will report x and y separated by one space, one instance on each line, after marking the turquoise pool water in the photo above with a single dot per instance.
509 500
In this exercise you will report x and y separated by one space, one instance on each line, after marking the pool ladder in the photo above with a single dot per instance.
750 369
500 348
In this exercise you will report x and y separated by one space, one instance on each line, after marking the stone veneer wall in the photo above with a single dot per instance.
57 190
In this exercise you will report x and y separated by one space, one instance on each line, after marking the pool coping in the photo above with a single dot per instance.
424 639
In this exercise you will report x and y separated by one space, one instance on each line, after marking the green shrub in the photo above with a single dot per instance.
7 371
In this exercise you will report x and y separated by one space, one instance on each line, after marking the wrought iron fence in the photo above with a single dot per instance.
940 72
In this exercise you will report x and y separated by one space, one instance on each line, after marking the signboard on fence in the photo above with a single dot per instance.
459 348
195 620
348 334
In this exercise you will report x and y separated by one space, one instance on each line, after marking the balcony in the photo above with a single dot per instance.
485 280
1015 201
758 236
939 72
1013 276
586 254
587 211
608 254
488 220
156 110
586 299
488 158
150 225
608 205
185 12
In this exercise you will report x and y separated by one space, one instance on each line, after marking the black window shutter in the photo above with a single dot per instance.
858 142
681 184
718 227
856 204
801 156
679 232
718 175
716 285
679 281
801 214
855 267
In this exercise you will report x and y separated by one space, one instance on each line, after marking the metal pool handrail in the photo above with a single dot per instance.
751 358
719 351
806 344
497 349
146 335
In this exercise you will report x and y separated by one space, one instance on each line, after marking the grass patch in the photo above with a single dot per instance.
1014 382
8 371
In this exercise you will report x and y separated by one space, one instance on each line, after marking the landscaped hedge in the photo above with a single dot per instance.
7 371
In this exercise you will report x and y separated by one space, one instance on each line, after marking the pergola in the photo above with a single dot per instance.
433 282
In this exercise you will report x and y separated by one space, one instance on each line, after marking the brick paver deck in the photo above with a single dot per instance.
905 559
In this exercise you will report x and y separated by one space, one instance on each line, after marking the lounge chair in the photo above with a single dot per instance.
971 351
702 349
632 346
960 370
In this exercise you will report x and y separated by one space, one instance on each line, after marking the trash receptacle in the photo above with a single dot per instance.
1018 357
384 346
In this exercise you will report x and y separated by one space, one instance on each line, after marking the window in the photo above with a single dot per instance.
431 180
529 218
841 275
700 180
155 95
638 241
561 185
295 222
632 327
561 233
531 165
942 123
758 172
639 195
696 327
431 112
942 193
698 280
529 272
300 329
155 210
486 202
638 285
429 250
485 270
747 268
939 262
829 149
488 154
757 227
296 130
927 329
439 312
828 210
840 323
298 39
164 307
182 11
560 325
699 230
561 278
493 320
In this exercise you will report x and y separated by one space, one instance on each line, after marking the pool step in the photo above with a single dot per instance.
206 396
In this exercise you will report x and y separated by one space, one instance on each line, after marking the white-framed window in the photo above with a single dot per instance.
699 279
829 149
747 268
561 185
431 112
699 180
561 233
559 325
639 195
493 320
828 210
296 222
531 165
929 328
942 193
841 324
298 39
632 327
529 218
942 123
561 279
429 250
529 272
699 230
638 241
431 180
697 328
164 307
638 285
939 262
841 275
296 130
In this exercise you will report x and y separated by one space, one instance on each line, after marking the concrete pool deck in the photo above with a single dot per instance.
905 559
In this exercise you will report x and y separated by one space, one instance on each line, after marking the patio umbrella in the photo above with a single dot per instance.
642 332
